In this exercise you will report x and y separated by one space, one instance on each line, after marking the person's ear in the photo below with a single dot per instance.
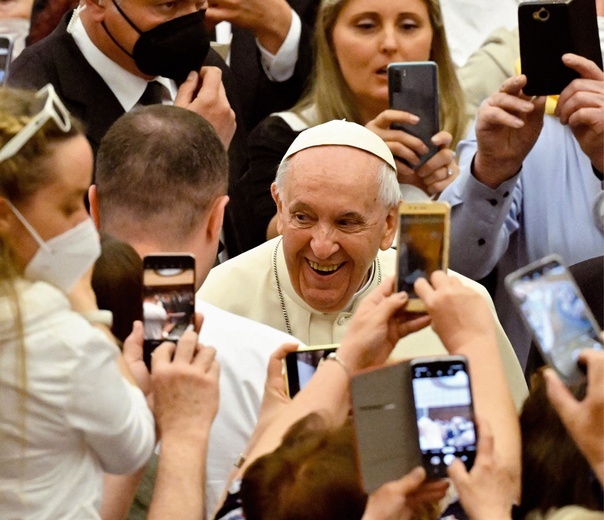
216 218
390 227
94 206
277 198
95 9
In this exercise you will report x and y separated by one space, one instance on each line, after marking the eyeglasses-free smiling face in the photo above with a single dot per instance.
370 34
332 222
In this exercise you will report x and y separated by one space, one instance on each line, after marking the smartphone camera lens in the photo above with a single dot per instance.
542 15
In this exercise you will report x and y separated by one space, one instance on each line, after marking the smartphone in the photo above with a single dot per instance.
168 299
6 55
423 245
555 311
386 443
413 88
547 30
444 412
302 364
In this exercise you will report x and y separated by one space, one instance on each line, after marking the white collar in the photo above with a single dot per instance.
127 87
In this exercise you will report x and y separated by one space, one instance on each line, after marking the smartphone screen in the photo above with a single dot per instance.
413 88
422 246
445 415
556 313
168 298
301 365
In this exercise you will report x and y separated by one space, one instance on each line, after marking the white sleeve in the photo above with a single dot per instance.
281 66
111 413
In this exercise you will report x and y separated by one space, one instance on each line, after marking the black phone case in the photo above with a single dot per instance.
413 87
548 29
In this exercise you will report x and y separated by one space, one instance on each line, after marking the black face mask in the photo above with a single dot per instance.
171 49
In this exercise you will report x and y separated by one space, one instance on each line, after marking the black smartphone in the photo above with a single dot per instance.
555 311
6 55
302 364
422 247
413 88
168 299
547 30
444 413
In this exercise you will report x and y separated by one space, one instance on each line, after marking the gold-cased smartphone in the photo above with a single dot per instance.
422 247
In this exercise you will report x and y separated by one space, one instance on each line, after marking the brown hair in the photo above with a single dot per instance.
554 472
331 96
160 166
312 475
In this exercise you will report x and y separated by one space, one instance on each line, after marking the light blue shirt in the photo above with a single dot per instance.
547 208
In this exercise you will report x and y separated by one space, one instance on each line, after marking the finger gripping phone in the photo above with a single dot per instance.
413 88
168 299
554 310
422 247
302 364
444 412
547 30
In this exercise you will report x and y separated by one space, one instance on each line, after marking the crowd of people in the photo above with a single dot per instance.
257 136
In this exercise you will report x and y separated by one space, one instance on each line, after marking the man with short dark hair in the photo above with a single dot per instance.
108 56
161 187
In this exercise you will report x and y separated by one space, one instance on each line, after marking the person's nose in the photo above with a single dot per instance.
323 242
388 43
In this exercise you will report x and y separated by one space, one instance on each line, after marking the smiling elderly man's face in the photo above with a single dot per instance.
332 222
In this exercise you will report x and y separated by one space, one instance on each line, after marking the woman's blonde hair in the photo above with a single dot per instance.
332 97
20 177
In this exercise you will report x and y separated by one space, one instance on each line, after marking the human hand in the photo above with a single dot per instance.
584 419
209 101
398 500
133 356
185 386
507 127
269 20
581 107
486 492
376 328
441 169
460 315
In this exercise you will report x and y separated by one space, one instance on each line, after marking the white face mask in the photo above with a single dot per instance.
64 259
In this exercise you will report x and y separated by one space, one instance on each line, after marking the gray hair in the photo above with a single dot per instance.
389 192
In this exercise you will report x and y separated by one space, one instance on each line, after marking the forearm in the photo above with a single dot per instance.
118 494
180 480
493 402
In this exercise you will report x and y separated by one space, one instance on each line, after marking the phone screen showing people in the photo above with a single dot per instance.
5 57
556 312
445 416
168 299
301 365
420 248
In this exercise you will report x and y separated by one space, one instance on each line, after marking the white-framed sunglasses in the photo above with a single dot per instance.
53 109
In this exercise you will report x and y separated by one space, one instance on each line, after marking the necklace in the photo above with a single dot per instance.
280 291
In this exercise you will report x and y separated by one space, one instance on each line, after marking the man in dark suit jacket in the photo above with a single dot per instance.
267 23
59 60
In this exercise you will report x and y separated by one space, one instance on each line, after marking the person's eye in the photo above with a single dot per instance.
408 24
301 219
347 224
365 24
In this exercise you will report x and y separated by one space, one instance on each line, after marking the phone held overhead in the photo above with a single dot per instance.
549 29
423 245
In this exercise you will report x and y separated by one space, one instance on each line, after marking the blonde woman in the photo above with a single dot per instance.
355 42
68 412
